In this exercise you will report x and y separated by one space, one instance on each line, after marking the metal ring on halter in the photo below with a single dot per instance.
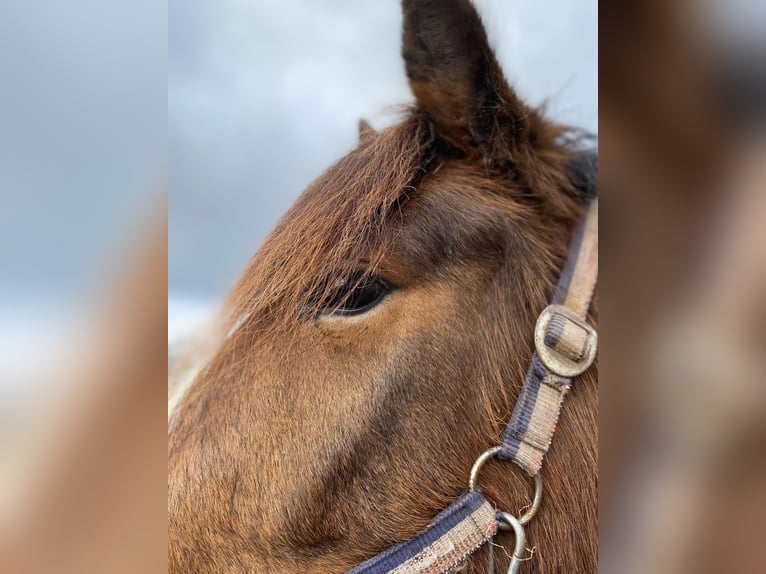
535 506
520 546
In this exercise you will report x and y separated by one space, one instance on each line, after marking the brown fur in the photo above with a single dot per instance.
311 442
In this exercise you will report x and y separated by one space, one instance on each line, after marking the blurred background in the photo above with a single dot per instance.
262 96
235 107
83 285
83 153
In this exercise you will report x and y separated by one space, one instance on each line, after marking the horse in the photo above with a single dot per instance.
376 343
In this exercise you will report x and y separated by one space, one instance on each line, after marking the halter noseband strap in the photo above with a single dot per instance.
565 346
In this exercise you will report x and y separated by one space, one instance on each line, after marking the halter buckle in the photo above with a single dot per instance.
565 343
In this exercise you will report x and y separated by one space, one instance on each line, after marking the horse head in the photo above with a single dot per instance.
380 336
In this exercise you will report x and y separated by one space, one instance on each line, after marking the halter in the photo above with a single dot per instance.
565 346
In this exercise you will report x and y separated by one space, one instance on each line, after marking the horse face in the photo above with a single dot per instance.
381 332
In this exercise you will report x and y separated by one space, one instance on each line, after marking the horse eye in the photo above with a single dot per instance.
356 294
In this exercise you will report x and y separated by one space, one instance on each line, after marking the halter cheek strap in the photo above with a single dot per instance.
565 346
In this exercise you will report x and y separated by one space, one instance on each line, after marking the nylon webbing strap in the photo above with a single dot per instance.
455 533
565 347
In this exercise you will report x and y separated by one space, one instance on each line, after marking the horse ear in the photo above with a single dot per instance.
365 128
455 77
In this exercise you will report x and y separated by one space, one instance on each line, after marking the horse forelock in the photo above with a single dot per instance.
343 222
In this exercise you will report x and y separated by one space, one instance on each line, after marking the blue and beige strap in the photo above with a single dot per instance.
565 346
453 535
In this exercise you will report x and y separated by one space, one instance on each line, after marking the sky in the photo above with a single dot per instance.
263 95
82 132
83 157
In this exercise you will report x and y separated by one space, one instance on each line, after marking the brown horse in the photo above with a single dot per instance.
379 338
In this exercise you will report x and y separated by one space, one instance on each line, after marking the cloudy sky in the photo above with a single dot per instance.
83 155
83 142
263 95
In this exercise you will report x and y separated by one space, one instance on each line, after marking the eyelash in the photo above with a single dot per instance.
356 295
